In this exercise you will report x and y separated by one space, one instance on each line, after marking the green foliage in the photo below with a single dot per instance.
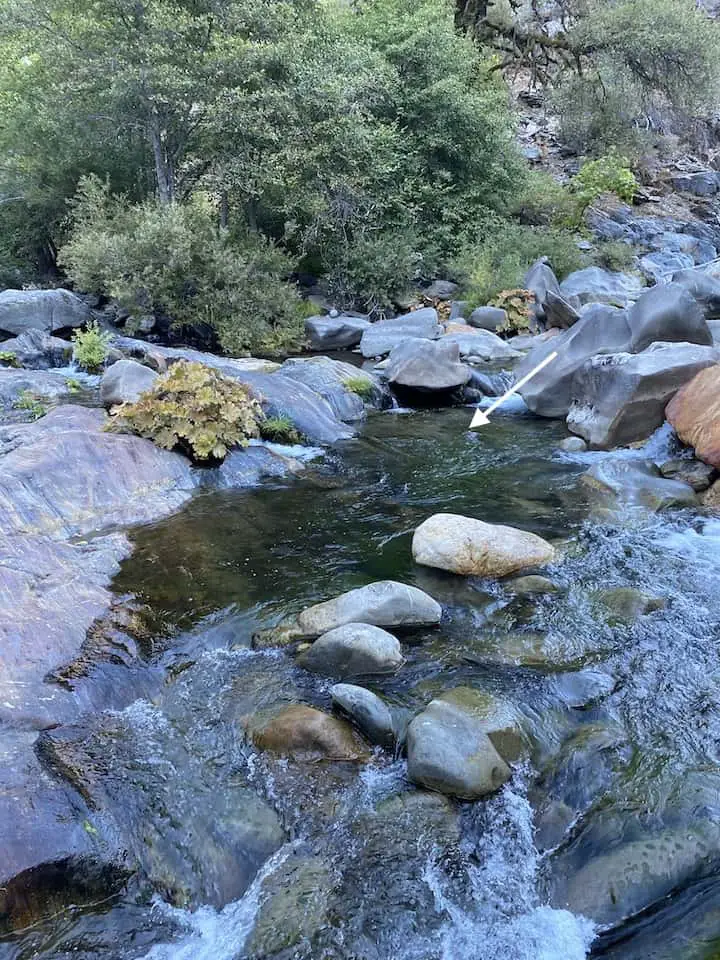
544 201
195 409
517 304
500 262
8 359
614 255
362 386
174 261
607 174
73 385
279 430
32 404
90 347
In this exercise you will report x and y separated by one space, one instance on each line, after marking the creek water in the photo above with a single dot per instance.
615 813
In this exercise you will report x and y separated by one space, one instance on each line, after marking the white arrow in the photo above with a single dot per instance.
483 416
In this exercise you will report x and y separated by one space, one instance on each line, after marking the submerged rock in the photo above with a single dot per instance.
622 606
626 483
621 398
450 751
305 733
694 412
385 603
125 381
380 338
531 585
698 474
46 310
471 547
353 650
573 445
369 713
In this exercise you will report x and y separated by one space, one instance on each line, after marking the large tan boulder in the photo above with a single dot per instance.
471 547
694 412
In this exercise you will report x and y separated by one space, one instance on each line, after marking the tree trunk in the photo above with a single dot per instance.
163 166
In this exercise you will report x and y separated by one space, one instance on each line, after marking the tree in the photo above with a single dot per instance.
605 58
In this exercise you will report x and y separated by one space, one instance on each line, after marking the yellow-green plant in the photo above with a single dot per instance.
195 409
8 358
279 430
517 304
90 347
31 404
362 386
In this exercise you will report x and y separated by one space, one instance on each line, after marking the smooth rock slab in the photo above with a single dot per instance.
450 752
330 378
481 345
385 603
46 310
595 285
621 398
353 650
694 412
382 336
36 350
125 381
42 384
369 713
470 547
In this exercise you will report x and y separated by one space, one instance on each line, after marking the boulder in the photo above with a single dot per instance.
488 318
629 483
498 717
427 366
305 733
698 474
705 183
666 313
573 445
458 309
477 344
698 249
380 338
621 398
559 312
659 266
368 712
702 287
335 333
353 650
37 350
541 280
600 330
125 381
46 310
694 412
449 751
385 603
595 285
531 585
441 290
471 547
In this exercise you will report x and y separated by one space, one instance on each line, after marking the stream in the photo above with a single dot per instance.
616 808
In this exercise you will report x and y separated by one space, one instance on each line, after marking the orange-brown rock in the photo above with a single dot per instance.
694 412
308 734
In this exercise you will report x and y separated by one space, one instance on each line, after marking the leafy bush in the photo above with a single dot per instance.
174 261
8 358
195 409
517 304
500 262
608 174
32 404
279 430
544 201
90 347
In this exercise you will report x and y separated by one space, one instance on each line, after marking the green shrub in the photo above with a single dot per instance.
362 386
9 359
279 430
174 261
500 262
544 201
90 347
614 255
608 174
195 409
34 405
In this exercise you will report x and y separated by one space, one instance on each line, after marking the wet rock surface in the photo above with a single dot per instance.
47 310
694 412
